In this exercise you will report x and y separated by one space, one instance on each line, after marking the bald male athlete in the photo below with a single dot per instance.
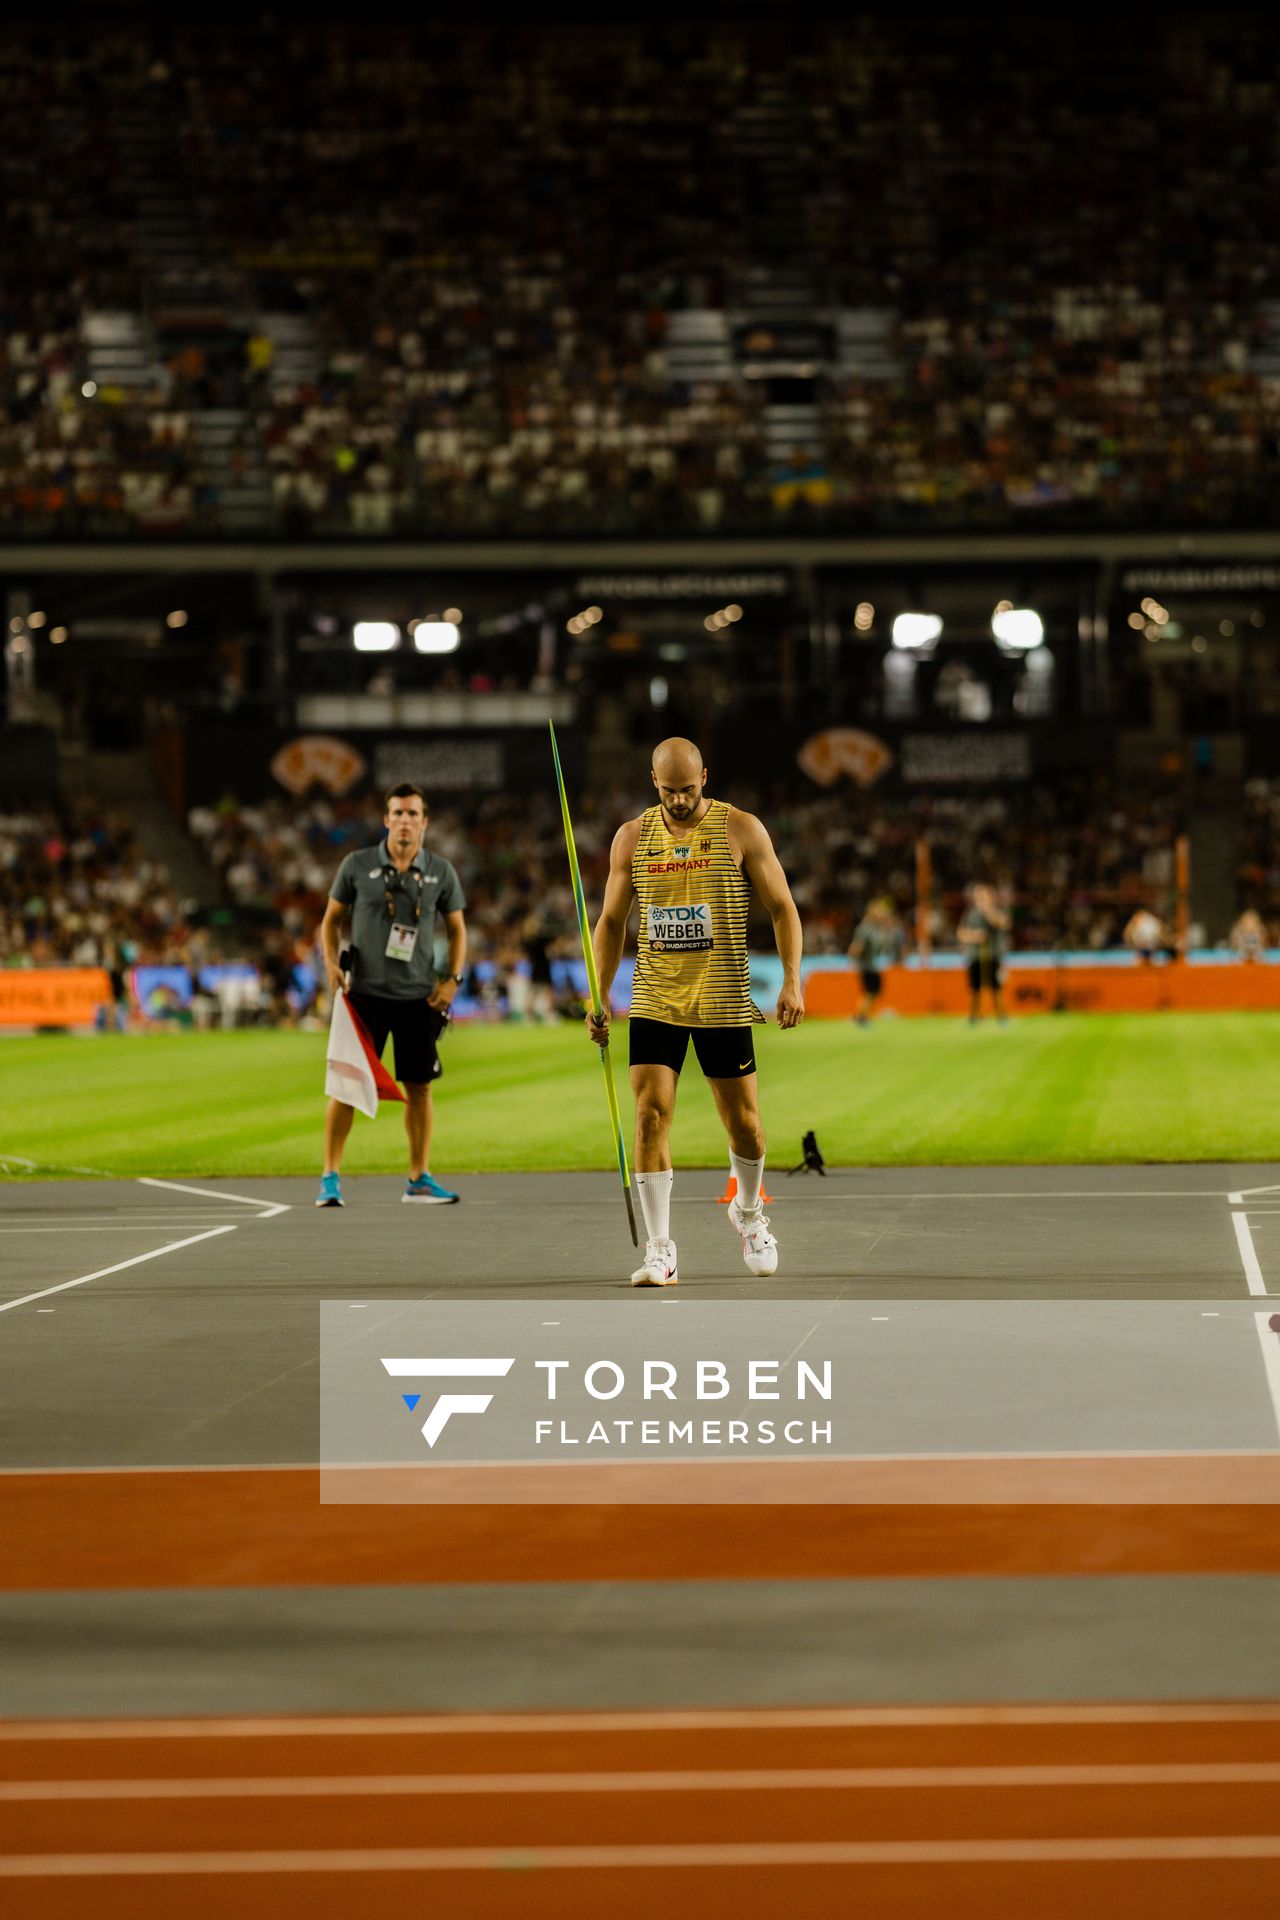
692 864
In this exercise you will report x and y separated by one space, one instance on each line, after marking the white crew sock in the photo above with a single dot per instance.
749 1175
655 1202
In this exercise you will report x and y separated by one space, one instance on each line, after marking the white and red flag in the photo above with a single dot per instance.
353 1072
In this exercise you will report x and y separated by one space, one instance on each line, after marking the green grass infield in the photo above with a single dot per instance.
1071 1088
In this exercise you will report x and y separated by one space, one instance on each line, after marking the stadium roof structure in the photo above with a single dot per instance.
1207 548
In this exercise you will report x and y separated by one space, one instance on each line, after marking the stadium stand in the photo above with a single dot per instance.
75 890
729 282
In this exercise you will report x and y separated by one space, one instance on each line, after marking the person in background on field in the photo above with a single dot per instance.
877 943
1146 935
538 937
981 932
1248 937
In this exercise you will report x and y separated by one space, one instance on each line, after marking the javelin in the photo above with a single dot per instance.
593 988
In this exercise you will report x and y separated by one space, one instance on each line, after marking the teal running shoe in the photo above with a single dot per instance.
426 1191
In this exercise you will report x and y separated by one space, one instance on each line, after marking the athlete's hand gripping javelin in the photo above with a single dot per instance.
598 1028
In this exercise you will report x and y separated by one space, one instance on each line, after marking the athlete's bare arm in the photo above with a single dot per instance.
611 928
760 863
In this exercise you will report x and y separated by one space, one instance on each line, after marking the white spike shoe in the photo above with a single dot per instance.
759 1248
659 1266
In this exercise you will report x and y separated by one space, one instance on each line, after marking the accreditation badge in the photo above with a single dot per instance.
401 942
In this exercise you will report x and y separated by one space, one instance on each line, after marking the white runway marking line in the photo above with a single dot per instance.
838 1459
642 1720
174 1246
1269 1335
270 1208
1057 1193
1248 1255
117 1226
782 1853
144 1214
42 1166
654 1780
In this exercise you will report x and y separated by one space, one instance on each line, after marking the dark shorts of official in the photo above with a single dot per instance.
985 973
724 1053
415 1028
871 982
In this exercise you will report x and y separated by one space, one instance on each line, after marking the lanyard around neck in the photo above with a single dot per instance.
390 874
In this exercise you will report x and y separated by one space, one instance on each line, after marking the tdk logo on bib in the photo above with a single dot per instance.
681 929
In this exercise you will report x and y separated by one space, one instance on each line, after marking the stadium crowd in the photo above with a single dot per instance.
1077 862
1074 864
1258 882
75 890
1078 317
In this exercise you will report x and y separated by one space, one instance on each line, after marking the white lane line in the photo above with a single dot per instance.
148 1215
1268 1325
1237 1199
43 1166
119 1226
270 1208
665 1780
1056 1193
204 1466
1267 1454
778 1853
1248 1255
174 1246
641 1720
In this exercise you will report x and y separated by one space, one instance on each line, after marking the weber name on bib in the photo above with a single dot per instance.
688 928
691 950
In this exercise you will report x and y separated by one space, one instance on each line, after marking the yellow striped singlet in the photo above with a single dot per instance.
691 954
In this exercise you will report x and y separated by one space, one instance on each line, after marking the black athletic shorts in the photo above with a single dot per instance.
413 1025
871 982
984 973
724 1053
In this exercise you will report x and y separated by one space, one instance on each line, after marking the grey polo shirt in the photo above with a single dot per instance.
991 946
361 883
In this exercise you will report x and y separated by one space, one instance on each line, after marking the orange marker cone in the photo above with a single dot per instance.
731 1193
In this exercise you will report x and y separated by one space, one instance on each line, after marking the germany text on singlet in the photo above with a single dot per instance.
691 959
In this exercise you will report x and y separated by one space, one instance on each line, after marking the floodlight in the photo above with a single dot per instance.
436 636
914 630
1018 627
375 636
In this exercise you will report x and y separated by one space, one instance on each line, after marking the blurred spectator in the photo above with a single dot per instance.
1147 935
877 944
981 934
1248 936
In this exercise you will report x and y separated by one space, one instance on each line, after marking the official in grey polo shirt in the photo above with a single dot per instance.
394 891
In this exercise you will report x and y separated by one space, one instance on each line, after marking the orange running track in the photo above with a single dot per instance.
246 1527
1044 1812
